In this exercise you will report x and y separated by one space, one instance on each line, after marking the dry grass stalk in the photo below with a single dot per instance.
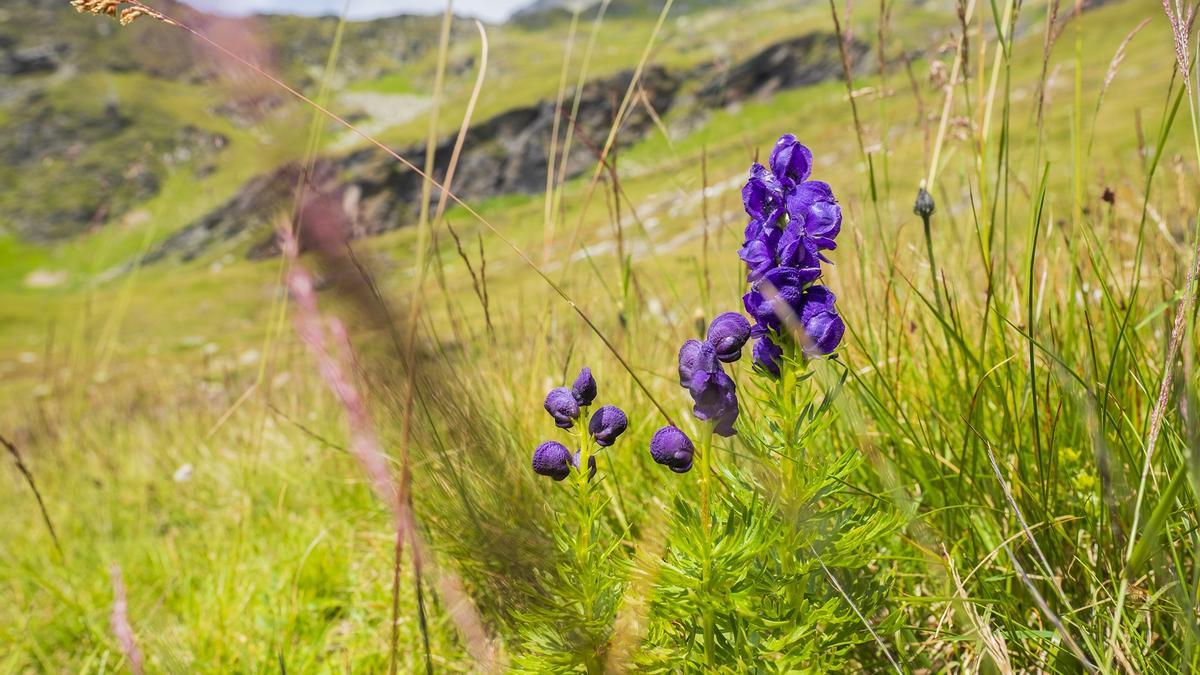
120 623
993 642
480 288
330 346
37 494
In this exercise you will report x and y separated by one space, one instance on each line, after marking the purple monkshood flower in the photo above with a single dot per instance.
759 258
782 286
799 251
562 406
763 196
584 387
783 257
607 424
715 398
671 447
727 334
791 161
767 355
713 392
591 464
809 205
813 206
694 356
821 322
816 311
552 459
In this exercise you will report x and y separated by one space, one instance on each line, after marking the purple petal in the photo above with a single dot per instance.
791 160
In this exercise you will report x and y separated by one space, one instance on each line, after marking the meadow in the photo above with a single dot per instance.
995 470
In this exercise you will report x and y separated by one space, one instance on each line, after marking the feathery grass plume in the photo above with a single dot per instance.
119 620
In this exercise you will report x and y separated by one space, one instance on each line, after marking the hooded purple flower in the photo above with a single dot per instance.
763 196
783 258
591 464
781 286
759 258
607 424
791 161
767 355
821 322
797 250
552 459
727 334
584 388
813 206
694 356
715 398
671 447
561 405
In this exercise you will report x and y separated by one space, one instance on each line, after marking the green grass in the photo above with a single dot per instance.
1036 350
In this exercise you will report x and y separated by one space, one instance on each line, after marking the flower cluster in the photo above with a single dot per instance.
792 221
713 392
566 406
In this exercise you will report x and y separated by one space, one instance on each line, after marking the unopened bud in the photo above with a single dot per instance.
924 205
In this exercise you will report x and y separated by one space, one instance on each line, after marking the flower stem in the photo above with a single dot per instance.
706 468
581 483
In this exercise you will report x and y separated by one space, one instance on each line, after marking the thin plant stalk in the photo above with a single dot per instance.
37 494
706 470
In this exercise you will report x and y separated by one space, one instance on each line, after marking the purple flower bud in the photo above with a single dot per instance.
552 459
791 160
671 447
607 424
695 356
591 464
728 333
584 388
768 355
561 405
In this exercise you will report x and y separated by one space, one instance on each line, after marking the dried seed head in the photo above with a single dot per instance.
126 15
99 7
129 14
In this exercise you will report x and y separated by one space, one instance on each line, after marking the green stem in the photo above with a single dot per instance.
582 541
583 538
933 273
706 468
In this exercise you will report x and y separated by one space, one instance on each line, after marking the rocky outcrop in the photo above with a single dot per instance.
367 192
18 61
798 62
503 155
